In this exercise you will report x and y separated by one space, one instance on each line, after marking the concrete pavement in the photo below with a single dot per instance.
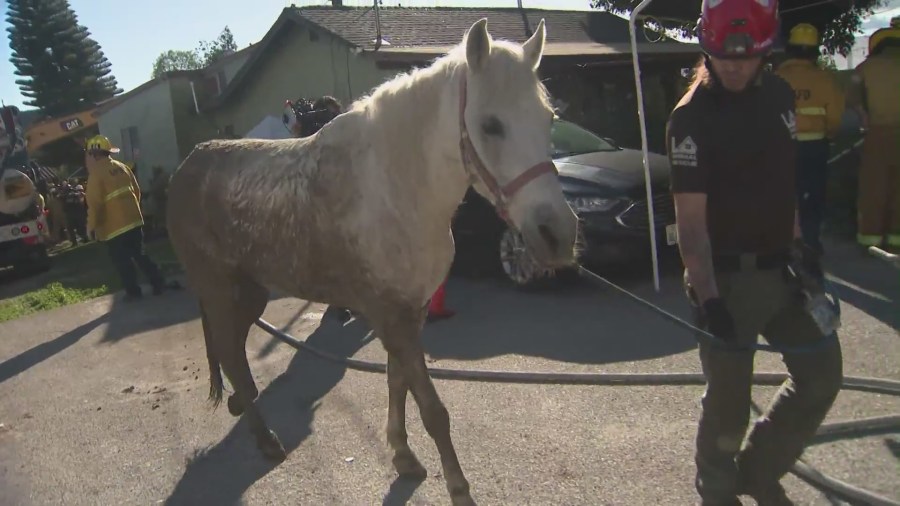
105 403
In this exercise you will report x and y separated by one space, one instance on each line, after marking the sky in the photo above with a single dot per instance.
132 33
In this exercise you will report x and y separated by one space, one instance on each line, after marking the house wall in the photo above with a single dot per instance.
150 114
190 128
234 64
299 64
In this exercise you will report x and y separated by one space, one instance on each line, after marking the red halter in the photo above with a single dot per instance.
475 168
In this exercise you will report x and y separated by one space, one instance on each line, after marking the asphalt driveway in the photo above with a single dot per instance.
105 403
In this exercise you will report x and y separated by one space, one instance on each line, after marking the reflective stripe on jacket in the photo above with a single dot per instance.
820 101
113 199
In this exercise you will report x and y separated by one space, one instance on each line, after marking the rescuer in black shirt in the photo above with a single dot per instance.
731 146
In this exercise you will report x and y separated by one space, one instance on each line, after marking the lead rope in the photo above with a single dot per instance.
712 339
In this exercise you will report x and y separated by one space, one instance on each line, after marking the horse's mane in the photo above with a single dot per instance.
447 66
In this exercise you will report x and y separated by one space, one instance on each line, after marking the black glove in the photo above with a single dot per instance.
718 319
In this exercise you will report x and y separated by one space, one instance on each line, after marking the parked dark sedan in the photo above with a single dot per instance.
604 185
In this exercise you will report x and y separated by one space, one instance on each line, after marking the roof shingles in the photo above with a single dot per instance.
445 26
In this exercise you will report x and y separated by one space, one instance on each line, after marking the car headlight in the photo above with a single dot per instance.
590 204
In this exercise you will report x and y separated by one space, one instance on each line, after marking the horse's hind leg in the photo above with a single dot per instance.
400 334
231 312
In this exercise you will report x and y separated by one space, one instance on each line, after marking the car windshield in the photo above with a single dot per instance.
569 139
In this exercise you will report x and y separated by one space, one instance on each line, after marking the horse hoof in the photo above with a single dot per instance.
271 447
408 466
234 406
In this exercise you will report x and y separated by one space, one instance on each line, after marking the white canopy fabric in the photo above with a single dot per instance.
269 128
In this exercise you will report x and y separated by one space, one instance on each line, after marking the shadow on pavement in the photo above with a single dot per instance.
153 312
492 320
126 319
585 323
221 474
893 446
865 282
27 359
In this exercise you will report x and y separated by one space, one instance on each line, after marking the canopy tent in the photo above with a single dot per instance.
269 128
816 12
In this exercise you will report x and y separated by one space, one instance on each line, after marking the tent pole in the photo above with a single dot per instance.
643 123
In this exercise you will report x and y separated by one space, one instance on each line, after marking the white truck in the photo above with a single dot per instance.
23 225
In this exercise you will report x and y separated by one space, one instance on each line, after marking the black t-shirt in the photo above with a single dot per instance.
740 150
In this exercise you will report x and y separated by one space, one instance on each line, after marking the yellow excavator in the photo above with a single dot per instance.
39 134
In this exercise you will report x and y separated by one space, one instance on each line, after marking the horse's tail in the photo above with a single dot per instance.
215 372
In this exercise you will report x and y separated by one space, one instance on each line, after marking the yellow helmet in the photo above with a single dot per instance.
804 34
883 34
100 143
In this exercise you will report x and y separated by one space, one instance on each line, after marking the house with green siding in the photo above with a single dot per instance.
347 51
157 123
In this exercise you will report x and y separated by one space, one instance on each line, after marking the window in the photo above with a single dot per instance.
569 139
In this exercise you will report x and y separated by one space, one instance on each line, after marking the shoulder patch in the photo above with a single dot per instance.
790 122
684 152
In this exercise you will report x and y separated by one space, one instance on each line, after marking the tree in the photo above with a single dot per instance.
213 50
206 53
827 62
175 59
837 24
62 69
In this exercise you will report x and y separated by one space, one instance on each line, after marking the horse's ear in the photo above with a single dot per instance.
533 48
478 45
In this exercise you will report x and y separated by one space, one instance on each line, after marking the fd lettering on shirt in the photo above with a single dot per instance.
684 153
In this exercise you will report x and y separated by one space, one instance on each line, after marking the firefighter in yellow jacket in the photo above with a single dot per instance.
877 93
820 105
114 216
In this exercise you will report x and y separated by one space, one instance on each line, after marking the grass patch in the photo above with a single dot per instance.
51 296
78 274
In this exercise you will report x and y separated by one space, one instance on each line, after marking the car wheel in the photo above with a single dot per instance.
519 267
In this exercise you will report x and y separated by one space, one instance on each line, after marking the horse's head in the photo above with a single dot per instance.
506 141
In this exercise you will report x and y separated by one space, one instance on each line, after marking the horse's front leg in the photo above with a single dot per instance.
405 461
401 338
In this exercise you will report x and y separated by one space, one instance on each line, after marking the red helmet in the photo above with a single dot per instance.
738 28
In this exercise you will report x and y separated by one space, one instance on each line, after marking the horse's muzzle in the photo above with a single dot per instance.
550 233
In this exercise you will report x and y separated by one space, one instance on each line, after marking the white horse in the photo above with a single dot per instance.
358 215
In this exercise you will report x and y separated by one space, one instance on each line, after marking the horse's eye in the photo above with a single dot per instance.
492 126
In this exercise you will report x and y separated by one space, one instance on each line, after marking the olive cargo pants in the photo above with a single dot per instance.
878 203
761 302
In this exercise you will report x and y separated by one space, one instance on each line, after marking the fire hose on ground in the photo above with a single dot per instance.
829 431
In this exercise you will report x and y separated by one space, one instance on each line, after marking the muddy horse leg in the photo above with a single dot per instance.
400 335
230 314
251 299
405 461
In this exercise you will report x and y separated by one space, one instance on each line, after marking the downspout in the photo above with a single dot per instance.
377 26
528 31
194 94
